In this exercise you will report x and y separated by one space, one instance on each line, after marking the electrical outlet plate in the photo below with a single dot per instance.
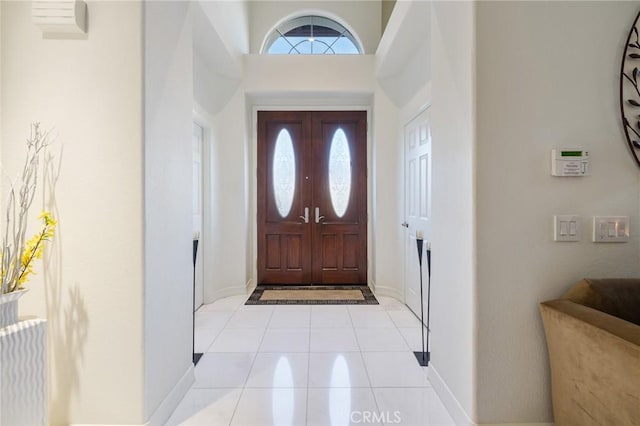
610 229
567 228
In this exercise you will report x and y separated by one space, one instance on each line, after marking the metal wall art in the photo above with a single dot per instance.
630 90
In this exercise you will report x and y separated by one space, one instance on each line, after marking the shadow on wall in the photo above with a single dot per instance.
67 316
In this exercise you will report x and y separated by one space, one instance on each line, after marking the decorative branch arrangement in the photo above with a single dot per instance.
630 90
18 253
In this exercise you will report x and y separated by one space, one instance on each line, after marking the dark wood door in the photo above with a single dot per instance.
284 192
339 235
312 197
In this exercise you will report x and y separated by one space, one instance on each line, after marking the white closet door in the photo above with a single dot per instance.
417 154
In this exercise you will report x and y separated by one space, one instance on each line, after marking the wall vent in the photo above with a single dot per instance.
60 16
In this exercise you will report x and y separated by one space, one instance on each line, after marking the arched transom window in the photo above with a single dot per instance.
311 35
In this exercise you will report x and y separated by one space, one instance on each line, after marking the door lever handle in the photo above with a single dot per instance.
306 215
404 224
318 217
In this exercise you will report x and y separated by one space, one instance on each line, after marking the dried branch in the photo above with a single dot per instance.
20 199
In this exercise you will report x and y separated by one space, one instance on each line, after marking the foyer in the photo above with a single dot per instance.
502 83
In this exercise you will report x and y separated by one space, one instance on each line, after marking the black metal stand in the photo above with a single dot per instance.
196 356
424 356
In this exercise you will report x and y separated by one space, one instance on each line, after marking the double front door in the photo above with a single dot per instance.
312 197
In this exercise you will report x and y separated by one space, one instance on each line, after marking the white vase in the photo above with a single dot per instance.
9 307
23 366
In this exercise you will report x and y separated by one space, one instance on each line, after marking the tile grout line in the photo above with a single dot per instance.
218 333
255 356
235 408
364 364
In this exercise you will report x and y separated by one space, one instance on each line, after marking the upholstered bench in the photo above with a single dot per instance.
593 338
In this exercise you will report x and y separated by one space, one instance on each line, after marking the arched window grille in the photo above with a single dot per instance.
311 35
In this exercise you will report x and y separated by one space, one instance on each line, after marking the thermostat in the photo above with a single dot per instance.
569 162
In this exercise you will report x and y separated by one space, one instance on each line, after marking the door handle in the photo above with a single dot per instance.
318 217
404 224
306 215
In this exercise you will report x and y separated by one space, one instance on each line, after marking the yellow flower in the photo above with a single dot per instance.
34 248
48 219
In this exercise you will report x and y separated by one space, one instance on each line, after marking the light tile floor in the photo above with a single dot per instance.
309 365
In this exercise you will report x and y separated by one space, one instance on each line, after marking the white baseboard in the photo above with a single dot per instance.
457 413
372 286
226 292
171 401
379 290
250 286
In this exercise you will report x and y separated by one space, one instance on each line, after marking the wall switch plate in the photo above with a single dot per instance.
610 229
567 228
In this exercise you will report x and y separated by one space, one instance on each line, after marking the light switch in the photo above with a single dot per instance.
573 228
563 228
610 229
622 229
567 228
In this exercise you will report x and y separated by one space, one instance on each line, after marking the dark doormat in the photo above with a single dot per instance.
312 295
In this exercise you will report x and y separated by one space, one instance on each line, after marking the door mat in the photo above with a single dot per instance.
312 295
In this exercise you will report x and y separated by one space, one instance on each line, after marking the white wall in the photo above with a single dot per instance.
388 191
403 57
301 75
225 243
217 76
231 21
211 91
453 247
362 18
552 83
217 71
168 285
90 92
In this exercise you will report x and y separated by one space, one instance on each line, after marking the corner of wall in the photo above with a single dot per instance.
167 201
250 286
379 290
173 398
451 403
454 223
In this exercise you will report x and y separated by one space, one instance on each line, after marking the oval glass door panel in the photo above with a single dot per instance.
284 173
340 172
